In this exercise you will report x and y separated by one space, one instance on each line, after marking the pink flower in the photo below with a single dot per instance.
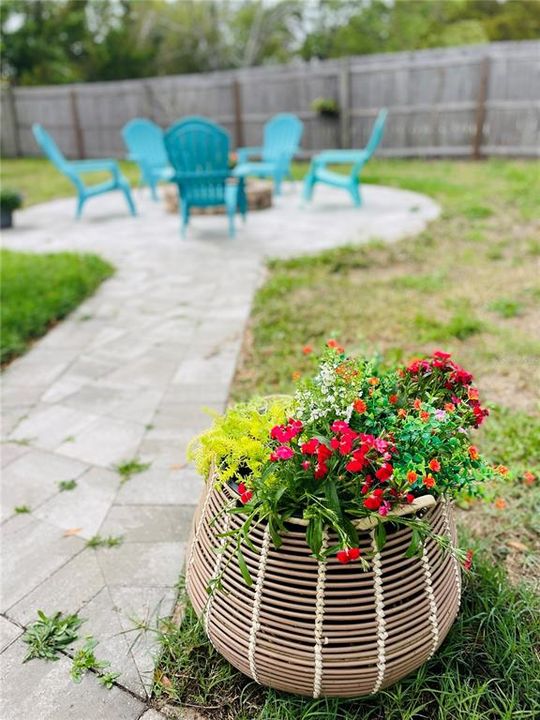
283 452
385 508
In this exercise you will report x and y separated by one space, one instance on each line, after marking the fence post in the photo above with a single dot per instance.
76 122
14 120
238 114
149 99
480 116
345 103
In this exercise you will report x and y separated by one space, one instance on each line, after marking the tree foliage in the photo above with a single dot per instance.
59 41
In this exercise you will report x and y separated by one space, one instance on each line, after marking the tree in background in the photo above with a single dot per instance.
59 41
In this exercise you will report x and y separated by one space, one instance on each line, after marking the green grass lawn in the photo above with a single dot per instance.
469 284
38 180
39 290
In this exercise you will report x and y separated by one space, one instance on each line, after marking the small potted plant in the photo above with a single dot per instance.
9 201
325 107
323 559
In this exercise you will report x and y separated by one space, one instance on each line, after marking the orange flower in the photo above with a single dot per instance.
296 375
374 381
429 481
307 349
360 406
412 476
529 477
335 345
417 404
501 469
472 393
424 416
473 452
434 465
500 504
449 407
402 412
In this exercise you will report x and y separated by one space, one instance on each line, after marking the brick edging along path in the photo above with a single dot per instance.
128 375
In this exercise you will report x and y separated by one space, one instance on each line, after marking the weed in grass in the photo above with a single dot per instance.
21 509
100 542
69 439
486 669
533 248
85 660
47 636
505 307
127 468
461 325
495 253
65 485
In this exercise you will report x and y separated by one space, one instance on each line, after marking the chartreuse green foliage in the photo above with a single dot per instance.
47 636
38 290
236 444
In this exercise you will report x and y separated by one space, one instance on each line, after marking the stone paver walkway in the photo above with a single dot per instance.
125 376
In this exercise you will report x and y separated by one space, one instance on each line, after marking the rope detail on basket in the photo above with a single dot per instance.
257 598
379 612
215 574
457 572
319 617
432 603
196 534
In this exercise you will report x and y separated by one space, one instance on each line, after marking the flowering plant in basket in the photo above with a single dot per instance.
354 443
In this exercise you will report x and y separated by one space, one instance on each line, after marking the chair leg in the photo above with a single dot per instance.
153 190
242 199
124 187
184 212
355 194
80 202
309 184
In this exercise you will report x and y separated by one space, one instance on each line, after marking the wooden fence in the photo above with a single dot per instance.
465 101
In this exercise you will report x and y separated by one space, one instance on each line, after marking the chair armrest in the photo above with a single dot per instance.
339 157
84 166
243 153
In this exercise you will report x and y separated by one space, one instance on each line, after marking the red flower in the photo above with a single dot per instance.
347 555
360 406
412 476
424 416
467 563
321 469
429 481
372 503
323 453
306 464
282 452
384 472
434 465
307 349
339 426
417 404
440 355
393 399
358 461
529 477
334 345
310 447
241 488
246 497
409 498
473 452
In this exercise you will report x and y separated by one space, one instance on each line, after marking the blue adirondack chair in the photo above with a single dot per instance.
198 150
144 141
319 173
75 169
282 135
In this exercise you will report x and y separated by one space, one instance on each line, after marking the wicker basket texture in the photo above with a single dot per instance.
323 628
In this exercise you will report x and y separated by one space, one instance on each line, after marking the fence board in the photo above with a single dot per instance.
434 98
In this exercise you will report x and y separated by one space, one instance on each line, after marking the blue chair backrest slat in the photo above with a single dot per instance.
377 132
282 135
50 148
145 139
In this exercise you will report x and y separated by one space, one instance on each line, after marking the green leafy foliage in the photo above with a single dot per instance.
96 541
47 636
10 200
38 290
85 659
22 509
66 485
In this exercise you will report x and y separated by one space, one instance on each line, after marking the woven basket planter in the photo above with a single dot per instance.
323 628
